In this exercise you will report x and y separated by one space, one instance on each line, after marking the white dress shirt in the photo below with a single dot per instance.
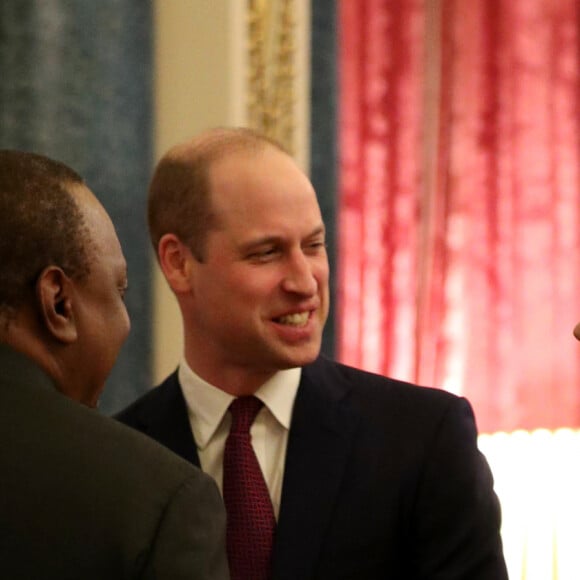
210 422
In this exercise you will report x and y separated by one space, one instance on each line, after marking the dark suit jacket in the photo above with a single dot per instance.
82 497
382 479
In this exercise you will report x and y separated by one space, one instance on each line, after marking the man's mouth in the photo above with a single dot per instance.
296 319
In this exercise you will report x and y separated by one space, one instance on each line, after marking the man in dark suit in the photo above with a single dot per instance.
367 477
81 496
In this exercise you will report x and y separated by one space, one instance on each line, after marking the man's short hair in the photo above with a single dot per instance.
40 225
179 195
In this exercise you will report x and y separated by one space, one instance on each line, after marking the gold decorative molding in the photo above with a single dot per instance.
272 69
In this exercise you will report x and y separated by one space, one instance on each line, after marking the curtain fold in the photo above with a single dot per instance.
380 83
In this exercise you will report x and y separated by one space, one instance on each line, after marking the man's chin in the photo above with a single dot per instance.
299 357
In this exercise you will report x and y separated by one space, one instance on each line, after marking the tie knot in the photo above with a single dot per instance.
244 411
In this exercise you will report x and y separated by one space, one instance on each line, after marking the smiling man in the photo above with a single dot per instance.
327 472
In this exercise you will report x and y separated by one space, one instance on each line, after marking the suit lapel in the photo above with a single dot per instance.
167 420
318 448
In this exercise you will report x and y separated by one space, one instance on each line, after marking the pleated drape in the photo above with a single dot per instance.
459 211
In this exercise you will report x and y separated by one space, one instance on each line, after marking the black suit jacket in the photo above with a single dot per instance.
83 497
382 479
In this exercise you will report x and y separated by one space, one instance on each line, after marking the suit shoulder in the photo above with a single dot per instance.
135 451
154 400
376 395
371 383
103 457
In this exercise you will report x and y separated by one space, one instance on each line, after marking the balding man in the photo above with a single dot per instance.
327 472
81 496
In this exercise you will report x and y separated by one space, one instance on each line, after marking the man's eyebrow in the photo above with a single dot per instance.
266 240
262 241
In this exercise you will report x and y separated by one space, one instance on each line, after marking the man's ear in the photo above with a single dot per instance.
176 261
54 292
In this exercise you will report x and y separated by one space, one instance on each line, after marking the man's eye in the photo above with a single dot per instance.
317 245
263 254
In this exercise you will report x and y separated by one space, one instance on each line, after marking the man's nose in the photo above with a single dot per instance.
299 277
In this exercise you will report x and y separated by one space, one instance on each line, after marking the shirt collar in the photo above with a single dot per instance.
207 404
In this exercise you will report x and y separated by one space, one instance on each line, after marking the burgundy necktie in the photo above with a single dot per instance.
250 515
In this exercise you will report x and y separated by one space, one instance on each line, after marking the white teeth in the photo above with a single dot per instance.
294 319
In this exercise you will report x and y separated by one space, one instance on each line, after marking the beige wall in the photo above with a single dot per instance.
199 83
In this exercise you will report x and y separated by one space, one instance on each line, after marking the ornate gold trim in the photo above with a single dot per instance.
271 76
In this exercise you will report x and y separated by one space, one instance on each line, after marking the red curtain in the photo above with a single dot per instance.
459 212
